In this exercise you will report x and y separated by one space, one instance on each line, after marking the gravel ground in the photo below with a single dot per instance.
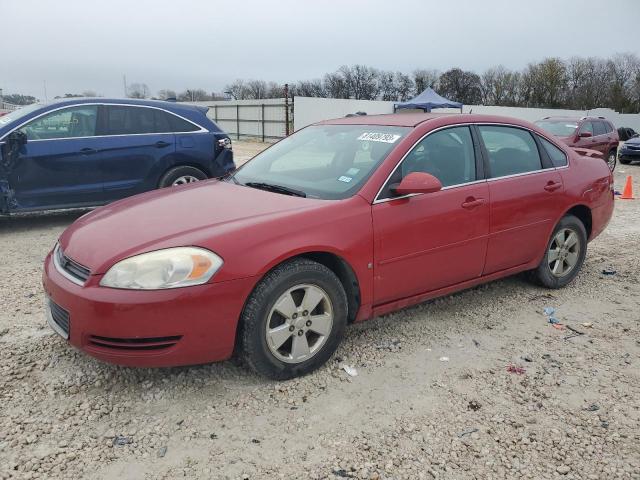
433 398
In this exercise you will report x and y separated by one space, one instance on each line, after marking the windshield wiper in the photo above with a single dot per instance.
276 188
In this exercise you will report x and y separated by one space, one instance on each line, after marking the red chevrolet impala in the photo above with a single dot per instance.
338 223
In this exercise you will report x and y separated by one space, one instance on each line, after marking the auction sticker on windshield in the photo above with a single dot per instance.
379 137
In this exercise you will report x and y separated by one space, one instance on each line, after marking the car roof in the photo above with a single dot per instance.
567 118
415 119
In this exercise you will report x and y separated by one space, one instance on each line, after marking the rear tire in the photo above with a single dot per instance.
611 160
293 321
625 161
181 176
564 255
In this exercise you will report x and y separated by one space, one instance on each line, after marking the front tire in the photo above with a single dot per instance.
625 161
182 175
294 320
564 255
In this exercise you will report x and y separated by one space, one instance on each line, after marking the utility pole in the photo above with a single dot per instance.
45 91
124 80
286 108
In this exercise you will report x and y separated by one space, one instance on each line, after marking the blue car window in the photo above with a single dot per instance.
70 122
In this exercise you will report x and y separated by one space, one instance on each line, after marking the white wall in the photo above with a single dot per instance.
311 110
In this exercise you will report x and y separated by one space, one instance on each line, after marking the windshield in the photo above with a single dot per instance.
564 128
17 114
323 161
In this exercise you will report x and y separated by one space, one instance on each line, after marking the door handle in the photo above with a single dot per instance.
472 202
162 144
552 186
88 151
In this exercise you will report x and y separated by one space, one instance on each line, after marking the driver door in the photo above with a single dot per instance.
430 241
59 166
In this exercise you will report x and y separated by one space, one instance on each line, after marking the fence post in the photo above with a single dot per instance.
238 120
262 118
286 109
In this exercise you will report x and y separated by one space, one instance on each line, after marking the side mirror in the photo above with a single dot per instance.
585 134
16 138
417 182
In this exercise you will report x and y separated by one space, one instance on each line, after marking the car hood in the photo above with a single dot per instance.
176 216
633 141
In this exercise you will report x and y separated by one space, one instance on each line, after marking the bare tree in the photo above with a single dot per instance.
237 90
309 88
461 86
335 86
404 86
387 86
424 79
138 90
361 81
194 95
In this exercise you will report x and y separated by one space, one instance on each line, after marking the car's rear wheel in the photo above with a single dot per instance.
294 320
611 160
565 254
182 175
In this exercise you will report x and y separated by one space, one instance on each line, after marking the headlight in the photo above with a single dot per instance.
169 268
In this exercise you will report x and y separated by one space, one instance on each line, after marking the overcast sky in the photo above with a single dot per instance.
76 45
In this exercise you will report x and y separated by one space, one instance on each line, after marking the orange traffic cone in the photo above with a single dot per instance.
627 193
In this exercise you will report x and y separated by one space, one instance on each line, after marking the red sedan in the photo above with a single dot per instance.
342 221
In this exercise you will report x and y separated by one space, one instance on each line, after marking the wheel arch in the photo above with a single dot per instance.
583 213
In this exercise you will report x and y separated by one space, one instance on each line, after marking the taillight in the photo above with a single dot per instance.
225 143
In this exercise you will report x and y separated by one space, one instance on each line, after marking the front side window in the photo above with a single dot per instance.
557 156
511 150
446 154
587 127
70 122
323 161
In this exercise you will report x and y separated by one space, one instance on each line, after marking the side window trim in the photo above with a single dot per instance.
201 129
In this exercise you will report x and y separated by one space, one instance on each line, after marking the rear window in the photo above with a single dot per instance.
564 128
179 125
557 156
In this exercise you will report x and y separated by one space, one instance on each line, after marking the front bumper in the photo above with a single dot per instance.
628 154
159 328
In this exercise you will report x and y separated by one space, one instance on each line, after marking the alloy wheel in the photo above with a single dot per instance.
611 161
183 180
299 323
564 252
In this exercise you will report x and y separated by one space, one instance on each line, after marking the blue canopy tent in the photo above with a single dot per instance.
427 101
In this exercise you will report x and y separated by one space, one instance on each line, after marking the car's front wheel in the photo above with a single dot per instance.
564 255
625 161
611 160
182 175
294 320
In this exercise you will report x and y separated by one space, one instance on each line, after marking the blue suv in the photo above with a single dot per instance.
89 152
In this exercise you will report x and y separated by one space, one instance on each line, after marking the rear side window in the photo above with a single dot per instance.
179 125
599 128
124 120
557 156
511 150
447 154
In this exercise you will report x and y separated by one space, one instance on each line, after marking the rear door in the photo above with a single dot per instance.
59 165
137 146
600 138
525 191
430 241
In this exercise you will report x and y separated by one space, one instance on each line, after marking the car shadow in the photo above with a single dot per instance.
27 222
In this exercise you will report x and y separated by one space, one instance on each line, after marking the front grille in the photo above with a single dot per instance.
133 344
72 268
60 316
